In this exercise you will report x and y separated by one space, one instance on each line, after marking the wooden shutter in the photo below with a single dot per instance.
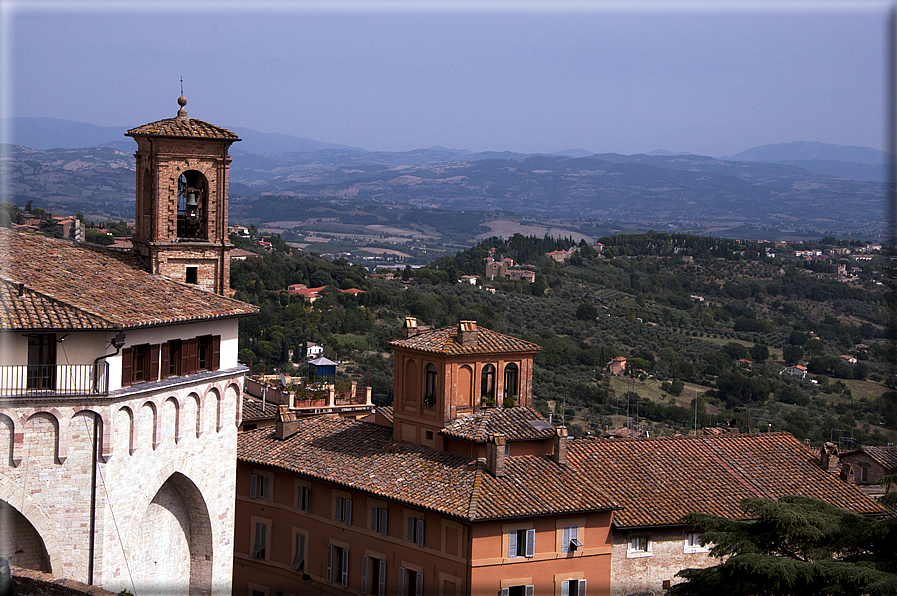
364 574
420 532
191 350
401 587
344 568
338 514
582 588
419 584
530 543
299 557
530 590
265 488
374 518
165 360
384 521
253 486
258 550
329 562
381 589
565 588
127 365
153 363
505 592
347 503
215 362
184 368
565 540
512 544
410 529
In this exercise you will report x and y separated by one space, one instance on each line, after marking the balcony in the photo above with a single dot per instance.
54 380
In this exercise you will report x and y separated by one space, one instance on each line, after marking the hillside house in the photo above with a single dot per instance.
866 466
617 366
798 370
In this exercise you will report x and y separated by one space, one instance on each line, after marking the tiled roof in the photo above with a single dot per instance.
252 408
886 456
657 481
443 341
49 283
182 127
514 423
364 456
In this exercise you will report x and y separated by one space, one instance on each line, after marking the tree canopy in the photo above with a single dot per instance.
794 546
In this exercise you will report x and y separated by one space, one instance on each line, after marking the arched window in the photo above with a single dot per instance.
430 389
487 384
511 388
192 205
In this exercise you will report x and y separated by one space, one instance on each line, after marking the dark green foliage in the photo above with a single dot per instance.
794 546
94 237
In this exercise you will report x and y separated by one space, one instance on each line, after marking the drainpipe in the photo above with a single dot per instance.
118 343
93 497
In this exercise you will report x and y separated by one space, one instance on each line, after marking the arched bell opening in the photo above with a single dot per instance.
193 206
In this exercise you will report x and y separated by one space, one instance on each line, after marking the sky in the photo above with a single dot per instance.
707 77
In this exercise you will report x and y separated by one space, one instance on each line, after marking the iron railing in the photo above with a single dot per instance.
54 380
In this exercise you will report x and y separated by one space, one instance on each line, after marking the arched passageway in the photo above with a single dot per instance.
20 542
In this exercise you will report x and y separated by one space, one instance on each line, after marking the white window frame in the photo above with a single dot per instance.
580 587
634 549
260 490
529 537
527 590
568 535
693 543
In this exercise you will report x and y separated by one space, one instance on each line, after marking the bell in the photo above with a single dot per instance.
191 201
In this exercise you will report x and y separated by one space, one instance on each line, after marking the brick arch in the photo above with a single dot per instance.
17 498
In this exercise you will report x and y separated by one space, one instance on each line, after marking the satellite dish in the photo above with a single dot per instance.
283 380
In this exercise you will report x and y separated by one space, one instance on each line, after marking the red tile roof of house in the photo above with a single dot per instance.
657 481
49 283
517 424
443 341
886 456
365 457
253 410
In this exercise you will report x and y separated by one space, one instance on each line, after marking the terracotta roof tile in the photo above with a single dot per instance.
657 481
182 127
49 283
886 456
252 408
364 456
517 424
443 341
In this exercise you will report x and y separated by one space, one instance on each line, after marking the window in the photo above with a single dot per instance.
639 546
430 390
42 361
299 552
260 542
573 587
864 474
337 565
140 364
302 498
518 591
208 352
521 543
260 487
379 519
570 539
172 354
343 510
487 383
411 583
192 274
373 576
415 530
693 543
511 388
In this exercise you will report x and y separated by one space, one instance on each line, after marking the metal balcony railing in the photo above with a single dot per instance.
54 380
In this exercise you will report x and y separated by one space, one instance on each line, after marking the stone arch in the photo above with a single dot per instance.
213 398
18 508
191 417
231 396
123 431
148 427
193 204
169 421
42 439
8 441
171 546
81 429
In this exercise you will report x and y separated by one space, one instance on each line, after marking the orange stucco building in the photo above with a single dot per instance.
461 489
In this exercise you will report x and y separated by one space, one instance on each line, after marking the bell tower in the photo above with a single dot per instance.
182 199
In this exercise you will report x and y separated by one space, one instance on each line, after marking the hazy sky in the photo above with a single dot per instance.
713 78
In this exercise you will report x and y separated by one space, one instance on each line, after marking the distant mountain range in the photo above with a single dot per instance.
793 186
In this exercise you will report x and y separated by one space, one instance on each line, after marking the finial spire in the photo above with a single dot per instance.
182 101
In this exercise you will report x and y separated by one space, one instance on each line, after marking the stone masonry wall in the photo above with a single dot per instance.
667 554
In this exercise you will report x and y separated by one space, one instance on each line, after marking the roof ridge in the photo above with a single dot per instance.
476 489
736 474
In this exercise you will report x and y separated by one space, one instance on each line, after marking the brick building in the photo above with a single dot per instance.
120 390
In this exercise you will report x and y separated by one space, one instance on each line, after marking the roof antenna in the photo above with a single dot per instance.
182 85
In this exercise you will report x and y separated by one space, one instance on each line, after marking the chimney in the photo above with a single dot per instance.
467 333
560 446
285 425
409 329
828 458
495 454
